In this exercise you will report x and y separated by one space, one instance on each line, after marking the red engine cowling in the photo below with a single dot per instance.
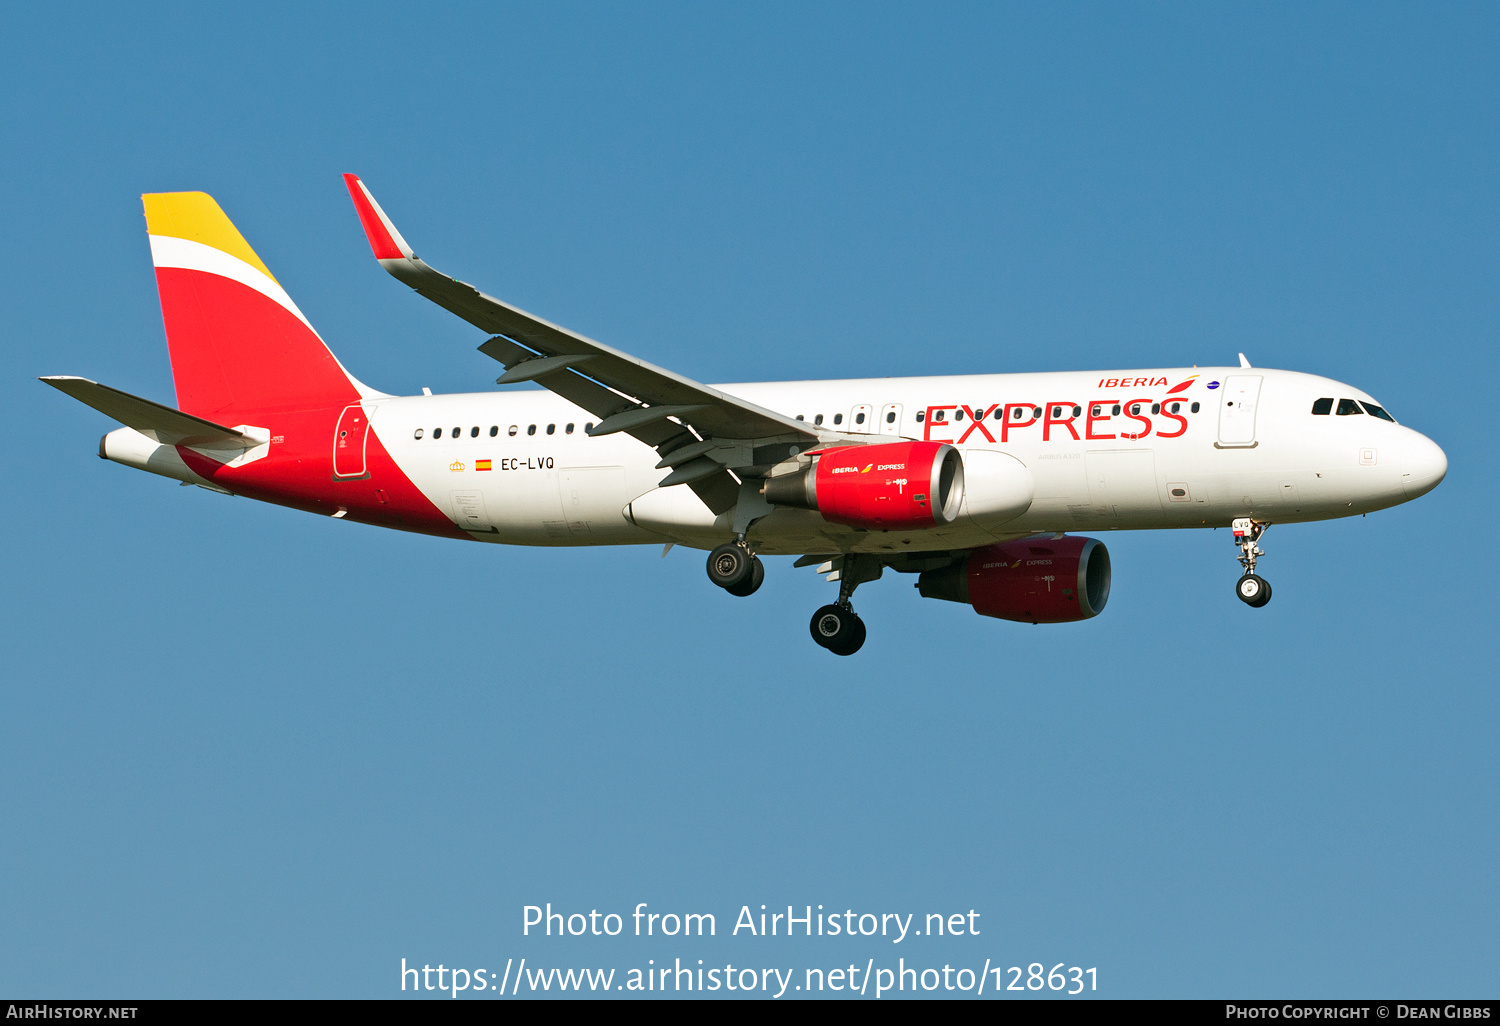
1033 581
898 486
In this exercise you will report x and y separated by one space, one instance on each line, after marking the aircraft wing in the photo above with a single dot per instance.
627 394
152 419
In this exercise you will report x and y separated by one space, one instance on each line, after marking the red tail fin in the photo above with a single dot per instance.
239 344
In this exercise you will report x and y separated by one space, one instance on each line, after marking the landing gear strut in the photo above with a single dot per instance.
733 567
1253 590
837 627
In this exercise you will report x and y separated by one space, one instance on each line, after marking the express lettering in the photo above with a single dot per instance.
1059 418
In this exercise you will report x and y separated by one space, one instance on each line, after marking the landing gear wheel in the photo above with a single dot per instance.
838 629
731 564
752 583
1253 591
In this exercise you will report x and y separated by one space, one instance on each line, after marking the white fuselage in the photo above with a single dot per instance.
1252 448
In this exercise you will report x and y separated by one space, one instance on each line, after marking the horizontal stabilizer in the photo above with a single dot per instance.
162 423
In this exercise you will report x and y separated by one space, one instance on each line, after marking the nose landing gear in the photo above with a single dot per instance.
1253 590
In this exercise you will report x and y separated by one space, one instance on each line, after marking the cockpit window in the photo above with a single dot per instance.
1322 407
1348 406
1376 411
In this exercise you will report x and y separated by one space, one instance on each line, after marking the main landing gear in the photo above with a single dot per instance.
733 567
837 627
1253 590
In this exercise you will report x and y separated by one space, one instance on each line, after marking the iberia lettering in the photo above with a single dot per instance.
1131 382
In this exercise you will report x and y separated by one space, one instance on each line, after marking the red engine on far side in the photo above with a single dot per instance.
1031 580
897 486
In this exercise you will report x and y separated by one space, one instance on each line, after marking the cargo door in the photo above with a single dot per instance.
591 496
469 512
1122 483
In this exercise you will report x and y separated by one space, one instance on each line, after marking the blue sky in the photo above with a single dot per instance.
249 752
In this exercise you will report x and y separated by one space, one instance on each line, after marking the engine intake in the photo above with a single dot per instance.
1032 581
895 486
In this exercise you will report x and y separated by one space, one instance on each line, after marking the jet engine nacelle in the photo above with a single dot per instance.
897 486
1031 580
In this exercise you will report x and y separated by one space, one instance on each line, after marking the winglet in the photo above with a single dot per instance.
385 242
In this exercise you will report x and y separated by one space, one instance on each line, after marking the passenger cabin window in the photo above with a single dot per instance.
512 430
437 432
890 418
921 416
818 419
417 434
568 430
799 416
474 431
494 430
999 413
1322 407
1376 411
838 418
1176 407
1193 408
551 429
1348 407
958 414
588 427
1077 411
531 429
859 418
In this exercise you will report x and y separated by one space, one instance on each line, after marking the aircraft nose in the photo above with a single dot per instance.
1423 465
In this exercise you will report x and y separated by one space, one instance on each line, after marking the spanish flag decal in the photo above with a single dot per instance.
481 464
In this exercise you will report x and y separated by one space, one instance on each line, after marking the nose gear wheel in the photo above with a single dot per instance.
1253 591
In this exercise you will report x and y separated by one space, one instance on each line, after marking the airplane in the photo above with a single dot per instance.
974 483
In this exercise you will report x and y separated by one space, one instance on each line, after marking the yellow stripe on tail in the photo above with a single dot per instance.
196 217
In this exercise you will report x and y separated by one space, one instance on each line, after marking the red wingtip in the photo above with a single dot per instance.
381 243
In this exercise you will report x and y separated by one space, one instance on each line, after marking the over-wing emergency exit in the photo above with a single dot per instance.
974 484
